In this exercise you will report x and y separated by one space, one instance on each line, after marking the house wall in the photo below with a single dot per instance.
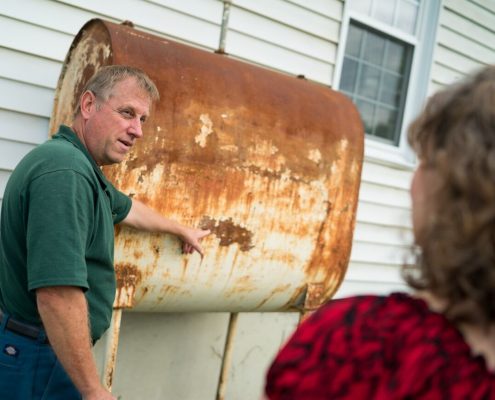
180 356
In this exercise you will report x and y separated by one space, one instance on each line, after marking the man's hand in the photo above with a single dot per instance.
64 312
144 218
191 239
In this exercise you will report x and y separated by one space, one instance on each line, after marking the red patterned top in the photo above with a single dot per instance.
372 347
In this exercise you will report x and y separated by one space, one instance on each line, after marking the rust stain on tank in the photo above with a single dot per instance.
228 232
127 275
128 278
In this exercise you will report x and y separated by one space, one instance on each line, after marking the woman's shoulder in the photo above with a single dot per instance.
371 309
377 347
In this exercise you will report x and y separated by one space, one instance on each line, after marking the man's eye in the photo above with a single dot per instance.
143 120
127 113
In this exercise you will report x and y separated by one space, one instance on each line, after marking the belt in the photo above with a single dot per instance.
23 329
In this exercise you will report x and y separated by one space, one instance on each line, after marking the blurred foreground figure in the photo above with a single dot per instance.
438 343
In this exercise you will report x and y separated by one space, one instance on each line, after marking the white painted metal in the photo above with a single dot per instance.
170 356
259 336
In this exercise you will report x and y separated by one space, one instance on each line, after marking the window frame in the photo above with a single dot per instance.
423 43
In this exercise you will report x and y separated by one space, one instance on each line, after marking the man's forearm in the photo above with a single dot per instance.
144 218
64 312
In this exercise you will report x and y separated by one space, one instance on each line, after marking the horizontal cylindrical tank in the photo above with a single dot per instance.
269 162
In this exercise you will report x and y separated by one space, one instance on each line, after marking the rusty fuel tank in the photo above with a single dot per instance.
269 162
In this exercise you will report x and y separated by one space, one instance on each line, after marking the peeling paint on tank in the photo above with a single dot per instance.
232 148
205 130
314 155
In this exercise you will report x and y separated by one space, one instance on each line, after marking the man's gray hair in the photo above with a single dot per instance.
104 80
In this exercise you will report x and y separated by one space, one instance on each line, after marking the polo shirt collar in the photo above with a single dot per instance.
68 134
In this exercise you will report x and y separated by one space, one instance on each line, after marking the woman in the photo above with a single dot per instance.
440 342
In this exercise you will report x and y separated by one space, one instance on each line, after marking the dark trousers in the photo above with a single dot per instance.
29 369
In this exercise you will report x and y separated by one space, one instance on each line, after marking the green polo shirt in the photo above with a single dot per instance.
57 221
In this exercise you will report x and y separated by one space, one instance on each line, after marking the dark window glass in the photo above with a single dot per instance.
374 48
375 75
349 75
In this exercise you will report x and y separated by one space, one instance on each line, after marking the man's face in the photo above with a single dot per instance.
112 126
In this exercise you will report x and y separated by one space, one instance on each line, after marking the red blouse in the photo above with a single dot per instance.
372 347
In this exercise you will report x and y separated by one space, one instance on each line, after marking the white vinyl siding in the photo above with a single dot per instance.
466 40
165 353
285 36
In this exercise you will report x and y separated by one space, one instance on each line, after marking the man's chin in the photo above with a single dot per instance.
113 160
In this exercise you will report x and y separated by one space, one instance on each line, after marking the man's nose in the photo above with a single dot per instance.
136 128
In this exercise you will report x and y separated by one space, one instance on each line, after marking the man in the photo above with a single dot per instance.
57 282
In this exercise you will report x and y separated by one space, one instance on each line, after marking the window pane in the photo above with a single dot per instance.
385 123
407 16
354 38
377 81
383 10
349 75
369 82
390 90
367 111
374 48
395 60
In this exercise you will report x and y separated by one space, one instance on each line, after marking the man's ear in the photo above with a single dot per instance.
88 103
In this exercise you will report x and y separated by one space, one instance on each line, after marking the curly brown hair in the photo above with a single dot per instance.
455 136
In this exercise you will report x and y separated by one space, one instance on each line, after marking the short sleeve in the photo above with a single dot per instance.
121 204
60 214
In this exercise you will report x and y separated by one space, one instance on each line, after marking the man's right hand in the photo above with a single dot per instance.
64 312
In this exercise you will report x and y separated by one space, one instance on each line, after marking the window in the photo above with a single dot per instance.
385 63
375 76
